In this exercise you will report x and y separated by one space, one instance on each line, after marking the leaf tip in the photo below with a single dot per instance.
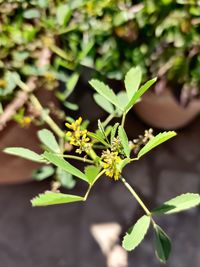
34 201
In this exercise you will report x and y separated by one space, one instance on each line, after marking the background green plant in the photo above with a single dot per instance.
107 36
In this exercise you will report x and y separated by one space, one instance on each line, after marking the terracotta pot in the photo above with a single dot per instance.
164 112
14 169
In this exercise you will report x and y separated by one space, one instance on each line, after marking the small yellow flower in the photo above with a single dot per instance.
25 121
74 125
78 137
110 161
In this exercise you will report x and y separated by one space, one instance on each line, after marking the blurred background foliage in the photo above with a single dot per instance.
108 36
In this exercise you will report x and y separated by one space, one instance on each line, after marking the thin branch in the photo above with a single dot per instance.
135 195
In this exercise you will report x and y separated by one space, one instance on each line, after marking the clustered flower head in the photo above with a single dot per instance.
116 145
136 144
78 137
110 161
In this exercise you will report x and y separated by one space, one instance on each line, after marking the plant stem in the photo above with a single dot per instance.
87 193
134 159
135 195
108 119
35 102
60 52
91 185
23 86
92 155
77 158
123 119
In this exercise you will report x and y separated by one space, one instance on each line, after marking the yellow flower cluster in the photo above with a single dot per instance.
78 137
110 160
25 122
116 145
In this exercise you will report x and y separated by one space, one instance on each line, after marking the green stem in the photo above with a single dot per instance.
108 119
92 155
123 119
23 86
77 158
134 159
35 102
60 52
87 193
135 195
91 185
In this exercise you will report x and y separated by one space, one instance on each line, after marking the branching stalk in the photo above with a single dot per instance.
123 119
77 158
108 119
91 185
135 195
35 102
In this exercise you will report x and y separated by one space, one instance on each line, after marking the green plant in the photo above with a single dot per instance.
30 51
160 37
106 151
171 29
52 40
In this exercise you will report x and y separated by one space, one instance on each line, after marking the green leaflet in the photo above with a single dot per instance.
155 141
66 179
113 132
106 92
139 93
102 131
43 173
31 13
52 198
72 82
63 14
136 233
91 173
63 164
98 138
132 81
179 203
163 244
124 141
70 85
85 50
11 82
24 153
123 164
70 105
49 140
123 100
103 103
108 130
